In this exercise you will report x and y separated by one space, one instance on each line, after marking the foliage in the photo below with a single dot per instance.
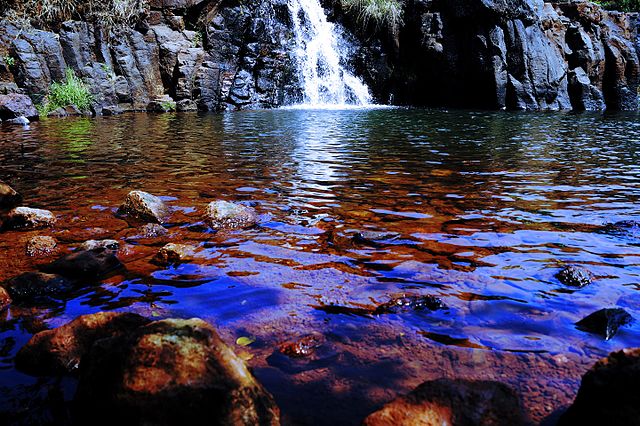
197 39
9 60
621 5
168 105
382 13
110 13
73 91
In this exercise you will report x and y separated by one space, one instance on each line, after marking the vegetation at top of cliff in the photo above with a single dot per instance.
621 5
382 13
73 91
109 13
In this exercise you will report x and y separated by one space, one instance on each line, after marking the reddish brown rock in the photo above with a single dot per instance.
41 246
59 351
452 402
171 372
5 299
609 393
304 346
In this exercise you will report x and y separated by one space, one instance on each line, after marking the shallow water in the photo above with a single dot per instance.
487 208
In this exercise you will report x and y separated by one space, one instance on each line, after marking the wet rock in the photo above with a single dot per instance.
575 276
171 372
605 322
15 105
60 350
410 303
112 110
100 244
625 228
33 287
453 402
154 230
174 253
5 299
25 218
40 246
9 198
20 121
144 206
225 215
608 394
301 347
86 264
374 238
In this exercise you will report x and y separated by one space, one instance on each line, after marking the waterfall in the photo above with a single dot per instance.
320 55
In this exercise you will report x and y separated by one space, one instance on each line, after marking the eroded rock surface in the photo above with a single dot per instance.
226 215
575 276
144 206
174 253
26 218
41 246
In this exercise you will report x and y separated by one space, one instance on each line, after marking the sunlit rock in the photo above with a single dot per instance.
41 246
25 218
144 206
225 215
174 253
59 351
609 393
100 244
153 230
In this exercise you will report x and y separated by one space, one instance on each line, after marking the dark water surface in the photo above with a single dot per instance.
487 206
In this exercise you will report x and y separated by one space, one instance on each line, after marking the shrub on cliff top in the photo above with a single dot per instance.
621 5
382 13
73 91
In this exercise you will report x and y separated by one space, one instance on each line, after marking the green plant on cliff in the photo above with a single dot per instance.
621 5
72 91
381 13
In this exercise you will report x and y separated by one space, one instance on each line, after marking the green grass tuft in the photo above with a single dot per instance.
73 91
382 13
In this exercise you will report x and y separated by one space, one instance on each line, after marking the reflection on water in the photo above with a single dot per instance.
487 208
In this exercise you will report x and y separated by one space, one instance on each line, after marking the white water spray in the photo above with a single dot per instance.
319 55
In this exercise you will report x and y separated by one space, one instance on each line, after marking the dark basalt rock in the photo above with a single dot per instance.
170 372
9 198
33 287
15 105
59 351
84 265
608 394
605 322
144 206
410 303
453 402
575 276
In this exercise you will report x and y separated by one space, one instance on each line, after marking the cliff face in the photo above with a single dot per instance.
233 54
515 54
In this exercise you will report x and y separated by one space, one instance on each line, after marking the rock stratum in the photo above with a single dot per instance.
215 55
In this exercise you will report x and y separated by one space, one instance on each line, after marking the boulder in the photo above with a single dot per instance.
608 394
33 287
225 215
100 244
40 246
153 230
5 299
85 264
174 253
144 206
15 105
452 402
575 276
171 372
60 350
9 198
605 322
26 218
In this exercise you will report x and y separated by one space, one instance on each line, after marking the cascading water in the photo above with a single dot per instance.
320 55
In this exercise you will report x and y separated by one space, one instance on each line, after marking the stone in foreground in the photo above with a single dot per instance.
9 198
26 218
41 246
144 206
222 214
15 105
87 264
452 402
60 350
605 322
100 244
174 253
171 372
37 286
609 393
575 276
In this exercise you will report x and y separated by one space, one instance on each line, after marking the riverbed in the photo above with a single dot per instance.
479 209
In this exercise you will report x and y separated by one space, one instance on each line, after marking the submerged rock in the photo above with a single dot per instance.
605 322
153 230
374 237
301 347
626 228
60 350
575 276
174 253
36 286
144 206
27 218
15 105
410 303
9 198
100 244
86 264
225 215
453 402
40 246
609 393
5 299
171 372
